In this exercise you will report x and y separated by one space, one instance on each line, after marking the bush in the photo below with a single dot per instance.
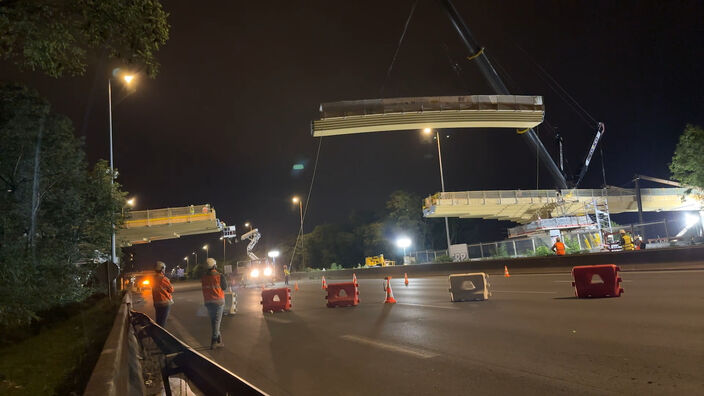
572 246
443 259
542 251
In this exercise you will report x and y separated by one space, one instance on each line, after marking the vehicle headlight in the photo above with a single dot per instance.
267 271
145 282
254 273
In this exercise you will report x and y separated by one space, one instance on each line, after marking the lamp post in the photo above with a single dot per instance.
273 254
248 224
428 131
403 243
130 202
222 238
297 200
195 254
186 260
128 79
205 247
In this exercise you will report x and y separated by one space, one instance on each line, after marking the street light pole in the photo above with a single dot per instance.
442 184
112 168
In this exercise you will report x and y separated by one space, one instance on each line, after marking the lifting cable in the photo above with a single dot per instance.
560 91
398 47
305 210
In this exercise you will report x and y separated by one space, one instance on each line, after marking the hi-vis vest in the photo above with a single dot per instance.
161 291
627 242
559 248
212 292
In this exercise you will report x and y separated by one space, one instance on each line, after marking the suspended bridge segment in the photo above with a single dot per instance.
396 114
144 226
524 206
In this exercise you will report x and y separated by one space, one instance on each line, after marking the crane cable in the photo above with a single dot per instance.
398 47
305 211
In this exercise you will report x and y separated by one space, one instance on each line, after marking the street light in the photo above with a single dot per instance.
403 243
205 247
131 202
186 260
222 238
195 254
298 201
428 131
273 254
128 79
248 224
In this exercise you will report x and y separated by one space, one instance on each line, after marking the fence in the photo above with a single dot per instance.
657 234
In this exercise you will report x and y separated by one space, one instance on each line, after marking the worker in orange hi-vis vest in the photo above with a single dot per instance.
161 294
214 285
558 247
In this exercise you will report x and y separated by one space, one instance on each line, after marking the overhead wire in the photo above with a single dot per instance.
305 211
398 48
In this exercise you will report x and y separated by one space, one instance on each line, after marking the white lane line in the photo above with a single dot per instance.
426 306
277 320
523 291
419 353
569 281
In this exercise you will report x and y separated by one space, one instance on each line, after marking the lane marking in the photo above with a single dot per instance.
427 306
419 353
523 291
277 320
569 281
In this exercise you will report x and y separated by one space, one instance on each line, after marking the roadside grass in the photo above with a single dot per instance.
60 358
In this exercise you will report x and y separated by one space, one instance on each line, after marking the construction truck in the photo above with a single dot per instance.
254 271
377 261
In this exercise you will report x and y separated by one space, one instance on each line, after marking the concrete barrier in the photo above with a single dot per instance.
656 259
118 370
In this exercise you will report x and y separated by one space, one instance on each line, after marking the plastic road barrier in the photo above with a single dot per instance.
469 287
274 300
342 294
597 281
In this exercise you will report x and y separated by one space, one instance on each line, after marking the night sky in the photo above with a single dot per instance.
229 114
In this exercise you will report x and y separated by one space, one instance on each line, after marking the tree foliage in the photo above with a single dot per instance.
55 212
57 36
687 164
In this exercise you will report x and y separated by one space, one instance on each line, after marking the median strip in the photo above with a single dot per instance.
419 353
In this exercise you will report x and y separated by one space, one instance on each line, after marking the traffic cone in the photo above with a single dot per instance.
389 294
506 274
354 279
295 286
384 283
405 280
325 285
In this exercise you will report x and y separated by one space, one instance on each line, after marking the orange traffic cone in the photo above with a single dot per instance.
405 276
389 294
354 279
325 285
295 286
506 274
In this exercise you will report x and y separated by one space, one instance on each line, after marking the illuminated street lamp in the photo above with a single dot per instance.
298 201
403 243
248 224
127 78
195 254
205 247
186 260
273 254
429 131
131 202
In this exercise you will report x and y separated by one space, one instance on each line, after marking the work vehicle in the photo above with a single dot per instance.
254 272
377 261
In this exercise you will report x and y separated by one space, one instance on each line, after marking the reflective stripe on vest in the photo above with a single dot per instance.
211 287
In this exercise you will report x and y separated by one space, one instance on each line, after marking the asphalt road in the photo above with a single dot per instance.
532 337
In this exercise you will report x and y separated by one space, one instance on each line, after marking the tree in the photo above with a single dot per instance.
405 214
57 36
687 164
55 213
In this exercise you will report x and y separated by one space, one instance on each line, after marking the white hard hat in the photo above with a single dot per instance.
210 262
160 266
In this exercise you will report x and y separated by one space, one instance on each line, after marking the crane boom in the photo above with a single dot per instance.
499 87
585 166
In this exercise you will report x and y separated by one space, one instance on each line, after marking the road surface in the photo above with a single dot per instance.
532 337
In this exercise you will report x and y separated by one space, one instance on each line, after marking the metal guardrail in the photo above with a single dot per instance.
208 376
184 214
117 371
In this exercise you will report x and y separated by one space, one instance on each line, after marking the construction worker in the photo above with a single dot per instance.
626 241
161 294
213 284
287 274
558 247
640 243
